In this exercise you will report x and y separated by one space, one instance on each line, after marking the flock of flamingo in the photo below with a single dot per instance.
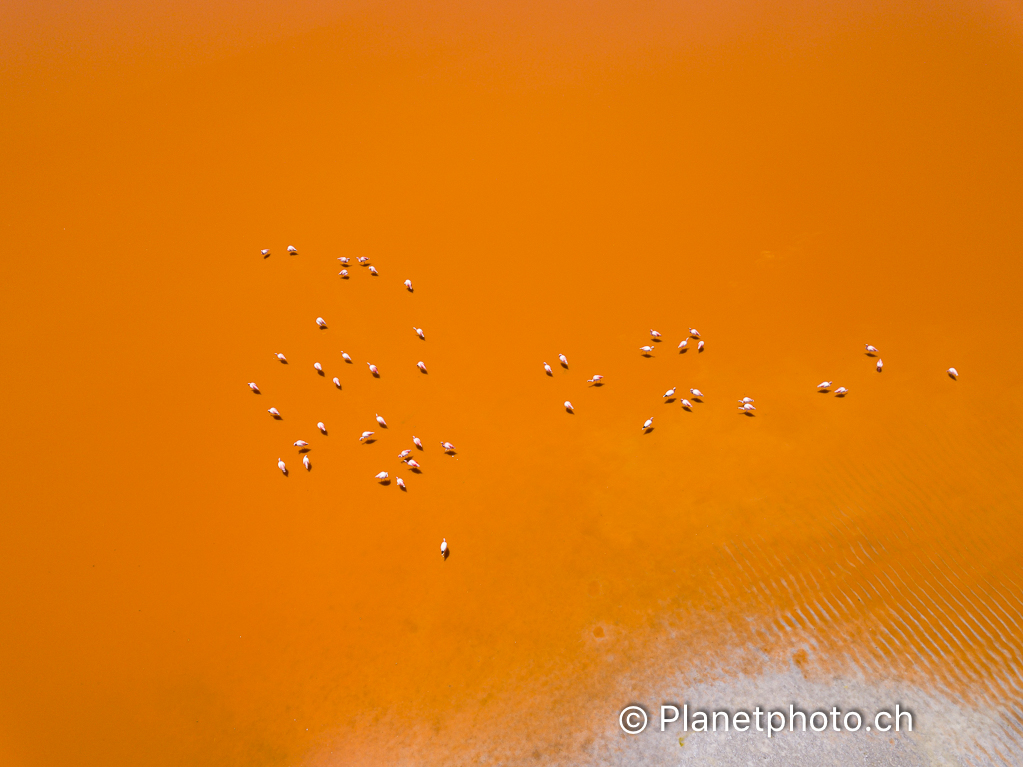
746 406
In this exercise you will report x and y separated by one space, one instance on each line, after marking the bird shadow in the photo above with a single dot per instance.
418 448
564 366
570 412
649 429
548 372
840 395
415 470
824 391
452 453
309 467
669 400
655 340
320 373
748 414
697 399
446 554
410 290
647 354
276 417
325 433
687 409
683 350
322 327
368 441
423 372
403 488
952 377
255 391
286 473
375 375
344 276
266 256
283 362
302 450
699 351
348 361
870 354
385 482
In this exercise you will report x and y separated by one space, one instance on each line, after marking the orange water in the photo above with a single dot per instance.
794 181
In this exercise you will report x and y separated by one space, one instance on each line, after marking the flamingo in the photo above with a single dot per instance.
417 442
293 250
408 285
400 482
253 386
282 467
564 360
422 366
307 463
274 412
321 323
337 382
568 406
880 365
696 392
366 435
953 372
548 369
648 423
670 392
682 346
